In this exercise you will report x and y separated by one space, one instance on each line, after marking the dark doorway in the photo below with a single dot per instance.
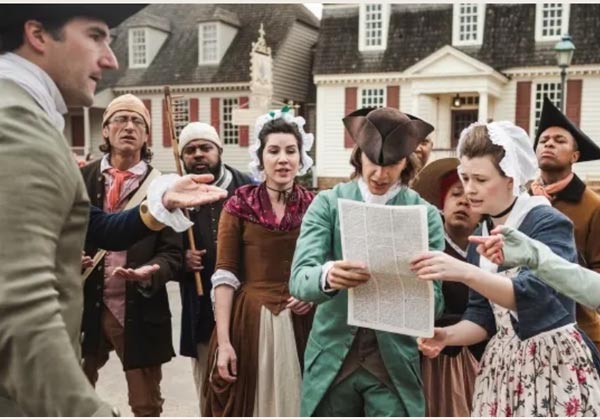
461 119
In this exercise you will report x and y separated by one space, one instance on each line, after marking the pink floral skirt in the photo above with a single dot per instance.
550 374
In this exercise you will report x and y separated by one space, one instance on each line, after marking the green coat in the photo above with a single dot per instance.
44 212
331 336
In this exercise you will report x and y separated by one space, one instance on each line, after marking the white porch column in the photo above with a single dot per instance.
483 107
87 142
415 103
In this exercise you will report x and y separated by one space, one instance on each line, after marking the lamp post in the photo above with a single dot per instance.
564 54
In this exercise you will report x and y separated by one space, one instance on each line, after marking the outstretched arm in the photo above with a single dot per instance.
511 248
167 194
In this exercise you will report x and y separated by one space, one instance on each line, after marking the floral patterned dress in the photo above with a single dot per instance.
549 374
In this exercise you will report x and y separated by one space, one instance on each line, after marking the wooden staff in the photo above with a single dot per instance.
175 147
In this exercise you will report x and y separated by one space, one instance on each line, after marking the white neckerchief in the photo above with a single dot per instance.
524 204
456 247
37 83
370 198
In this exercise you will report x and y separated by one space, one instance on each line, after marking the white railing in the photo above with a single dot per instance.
440 153
79 151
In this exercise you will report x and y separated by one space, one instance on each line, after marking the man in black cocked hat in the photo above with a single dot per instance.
51 57
559 144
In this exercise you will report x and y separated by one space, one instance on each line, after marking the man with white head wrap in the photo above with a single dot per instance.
201 152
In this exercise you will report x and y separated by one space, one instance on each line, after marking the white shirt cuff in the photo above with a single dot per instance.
223 277
174 219
324 272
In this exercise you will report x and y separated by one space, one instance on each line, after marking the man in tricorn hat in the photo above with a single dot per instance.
558 145
352 371
52 56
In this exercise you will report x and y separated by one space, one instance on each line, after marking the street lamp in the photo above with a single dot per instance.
564 54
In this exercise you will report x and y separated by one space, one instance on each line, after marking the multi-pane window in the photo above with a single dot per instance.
230 131
208 43
552 91
552 16
373 25
181 114
551 21
372 98
468 22
138 48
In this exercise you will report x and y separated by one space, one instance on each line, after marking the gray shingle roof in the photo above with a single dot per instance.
417 31
177 60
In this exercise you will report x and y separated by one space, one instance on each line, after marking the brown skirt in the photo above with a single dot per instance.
238 398
448 384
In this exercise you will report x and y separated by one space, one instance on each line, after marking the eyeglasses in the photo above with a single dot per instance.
123 120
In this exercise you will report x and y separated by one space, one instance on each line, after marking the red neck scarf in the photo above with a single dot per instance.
252 203
550 191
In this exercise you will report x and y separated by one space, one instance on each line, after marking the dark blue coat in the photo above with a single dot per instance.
197 317
116 231
539 307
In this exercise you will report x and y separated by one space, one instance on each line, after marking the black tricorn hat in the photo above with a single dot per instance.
12 15
552 117
386 135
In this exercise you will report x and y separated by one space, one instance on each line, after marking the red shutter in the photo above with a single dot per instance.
77 131
243 130
148 105
349 106
165 126
243 133
573 108
194 109
523 108
215 118
393 97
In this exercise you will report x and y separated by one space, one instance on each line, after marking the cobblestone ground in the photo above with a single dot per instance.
177 385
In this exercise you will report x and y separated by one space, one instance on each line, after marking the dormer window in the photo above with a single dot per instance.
551 21
373 22
138 50
208 43
468 24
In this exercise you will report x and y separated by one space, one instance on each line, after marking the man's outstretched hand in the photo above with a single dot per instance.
143 273
192 191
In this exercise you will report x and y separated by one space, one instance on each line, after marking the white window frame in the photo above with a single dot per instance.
132 45
201 59
456 24
385 23
539 8
536 109
363 90
181 114
229 132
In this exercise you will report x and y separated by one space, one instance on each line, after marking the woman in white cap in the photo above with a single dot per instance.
537 363
256 349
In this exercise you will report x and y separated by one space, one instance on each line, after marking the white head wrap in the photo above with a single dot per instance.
307 142
519 160
198 131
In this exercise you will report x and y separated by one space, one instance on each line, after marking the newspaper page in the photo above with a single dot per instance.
385 238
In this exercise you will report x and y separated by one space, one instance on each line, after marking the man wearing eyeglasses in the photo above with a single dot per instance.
129 315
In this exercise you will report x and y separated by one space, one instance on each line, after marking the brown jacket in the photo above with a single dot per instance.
582 206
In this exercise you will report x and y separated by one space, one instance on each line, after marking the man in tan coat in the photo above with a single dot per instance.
560 144
51 57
